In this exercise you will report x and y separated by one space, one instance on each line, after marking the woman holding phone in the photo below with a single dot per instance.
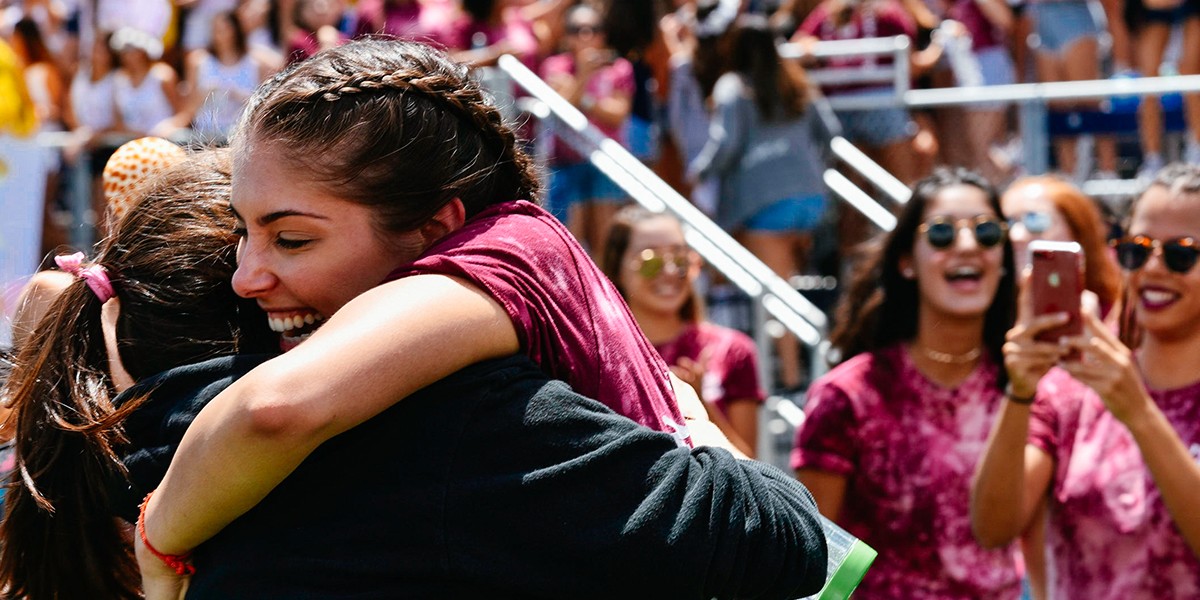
1109 440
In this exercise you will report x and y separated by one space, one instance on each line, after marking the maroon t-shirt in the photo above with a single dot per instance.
568 316
908 448
732 368
873 19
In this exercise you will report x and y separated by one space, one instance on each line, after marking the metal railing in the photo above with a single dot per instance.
772 296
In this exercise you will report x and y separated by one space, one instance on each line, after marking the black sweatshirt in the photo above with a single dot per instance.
496 482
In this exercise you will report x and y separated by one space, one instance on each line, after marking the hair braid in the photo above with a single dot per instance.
466 101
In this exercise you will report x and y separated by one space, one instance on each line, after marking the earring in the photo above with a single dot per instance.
908 273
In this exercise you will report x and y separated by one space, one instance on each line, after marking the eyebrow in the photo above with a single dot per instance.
269 218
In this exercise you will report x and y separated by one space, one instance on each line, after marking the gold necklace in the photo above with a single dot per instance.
951 359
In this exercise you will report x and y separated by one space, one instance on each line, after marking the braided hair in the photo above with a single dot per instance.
393 125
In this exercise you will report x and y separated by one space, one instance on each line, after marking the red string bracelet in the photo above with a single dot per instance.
181 563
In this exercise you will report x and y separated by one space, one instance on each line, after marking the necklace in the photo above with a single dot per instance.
951 359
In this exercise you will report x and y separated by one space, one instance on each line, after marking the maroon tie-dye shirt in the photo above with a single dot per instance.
568 316
908 449
1108 533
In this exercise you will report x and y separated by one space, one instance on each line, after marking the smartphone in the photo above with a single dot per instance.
1056 285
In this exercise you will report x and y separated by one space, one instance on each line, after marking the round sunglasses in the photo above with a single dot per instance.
1178 254
1034 221
942 231
650 262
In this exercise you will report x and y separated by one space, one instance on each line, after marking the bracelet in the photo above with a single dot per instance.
180 563
1015 399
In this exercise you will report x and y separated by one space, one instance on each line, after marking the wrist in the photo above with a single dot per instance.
1019 395
180 563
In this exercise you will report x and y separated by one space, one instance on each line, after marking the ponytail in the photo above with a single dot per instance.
57 520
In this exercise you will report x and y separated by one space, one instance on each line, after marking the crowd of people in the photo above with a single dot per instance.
329 296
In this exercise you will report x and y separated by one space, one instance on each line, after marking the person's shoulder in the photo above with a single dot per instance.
711 332
856 372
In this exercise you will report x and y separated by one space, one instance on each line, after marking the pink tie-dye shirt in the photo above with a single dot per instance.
1108 533
908 448
569 317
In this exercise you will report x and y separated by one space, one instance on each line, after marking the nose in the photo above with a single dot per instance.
253 277
964 238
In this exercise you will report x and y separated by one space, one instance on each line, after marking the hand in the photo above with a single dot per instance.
1109 368
1026 359
692 371
159 582
590 60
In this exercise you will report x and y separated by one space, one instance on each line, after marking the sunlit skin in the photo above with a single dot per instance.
305 252
960 281
1167 303
663 295
1032 198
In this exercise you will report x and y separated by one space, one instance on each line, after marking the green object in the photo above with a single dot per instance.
849 559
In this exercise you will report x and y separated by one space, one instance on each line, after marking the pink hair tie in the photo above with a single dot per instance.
95 276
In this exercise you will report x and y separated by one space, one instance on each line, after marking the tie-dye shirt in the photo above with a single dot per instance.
908 449
569 317
1108 533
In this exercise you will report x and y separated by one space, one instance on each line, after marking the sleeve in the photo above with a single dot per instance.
590 496
680 108
556 65
827 439
741 374
1044 420
894 21
811 26
726 132
621 74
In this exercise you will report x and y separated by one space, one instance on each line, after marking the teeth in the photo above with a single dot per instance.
283 324
1157 297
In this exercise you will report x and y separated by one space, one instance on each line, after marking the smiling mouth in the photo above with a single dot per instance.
963 274
294 328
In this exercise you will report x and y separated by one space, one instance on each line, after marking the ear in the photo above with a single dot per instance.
905 266
446 220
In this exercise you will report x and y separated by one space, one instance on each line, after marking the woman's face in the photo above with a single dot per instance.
584 30
223 34
1167 302
961 279
1032 216
305 253
658 269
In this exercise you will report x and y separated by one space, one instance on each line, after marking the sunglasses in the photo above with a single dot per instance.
650 262
1034 221
581 29
1178 254
942 231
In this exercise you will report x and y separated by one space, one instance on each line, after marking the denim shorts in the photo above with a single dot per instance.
878 127
580 182
800 213
1060 23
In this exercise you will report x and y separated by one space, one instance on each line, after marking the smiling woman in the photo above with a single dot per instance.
1109 441
343 179
892 434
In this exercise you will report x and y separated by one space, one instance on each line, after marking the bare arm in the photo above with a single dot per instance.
1109 368
1010 480
828 489
379 348
1012 477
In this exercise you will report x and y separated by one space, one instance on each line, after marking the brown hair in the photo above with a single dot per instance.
780 86
1182 182
170 259
1087 227
880 305
393 125
619 234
